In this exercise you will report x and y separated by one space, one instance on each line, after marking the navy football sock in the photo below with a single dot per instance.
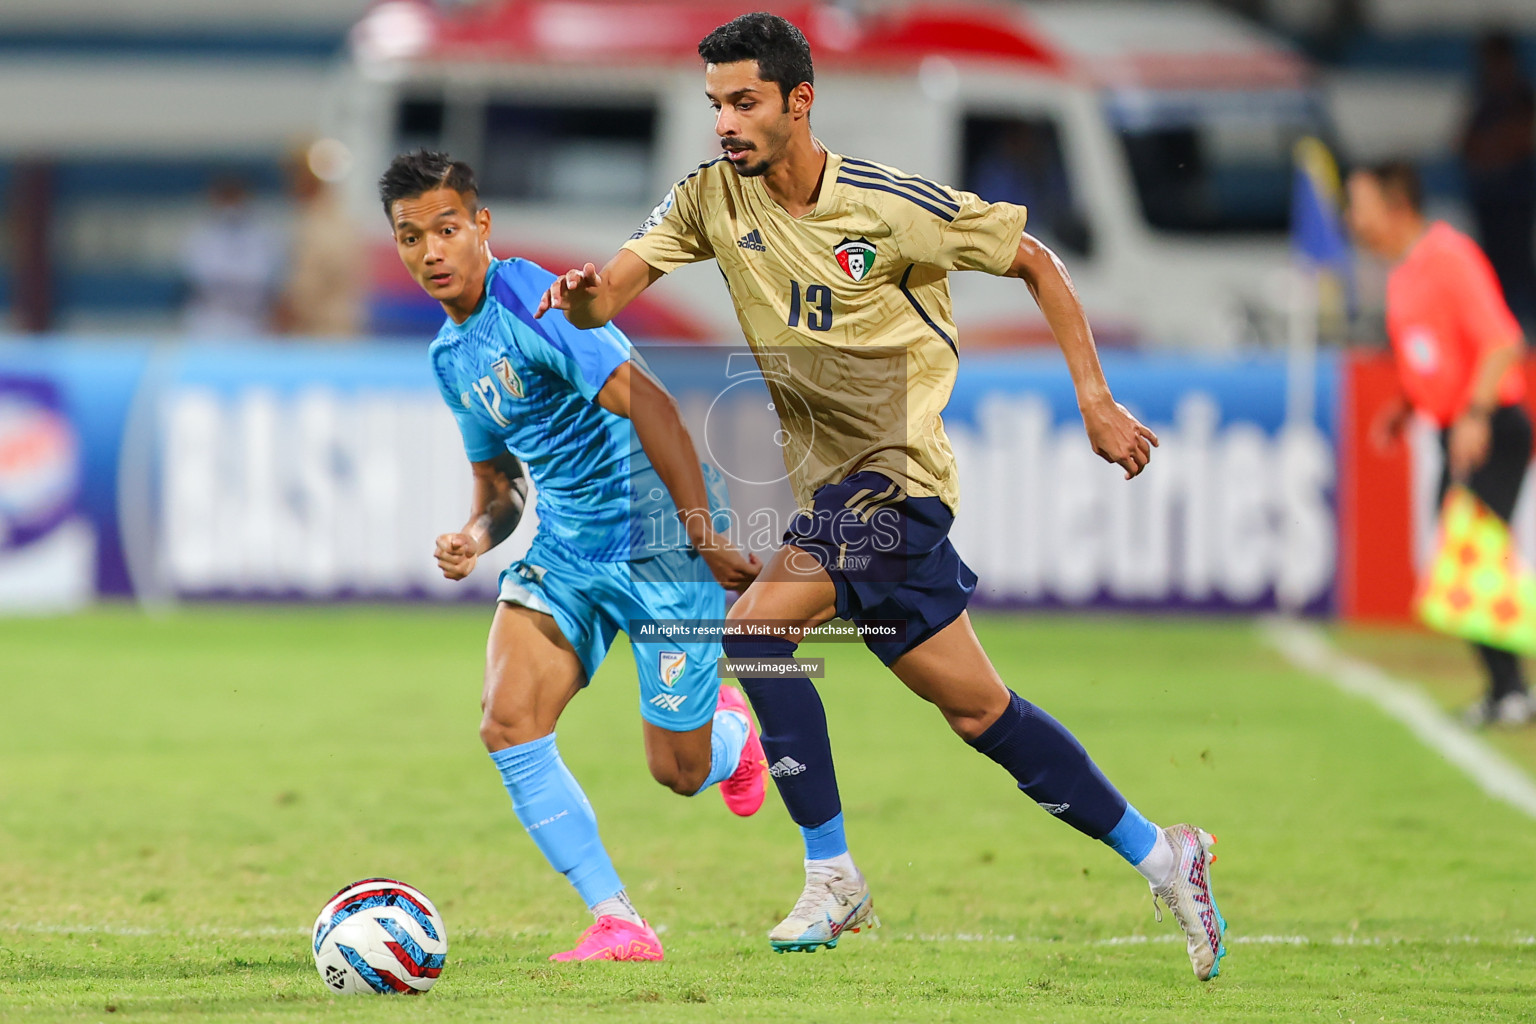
793 728
1052 768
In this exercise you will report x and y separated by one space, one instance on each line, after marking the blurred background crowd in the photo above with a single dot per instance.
201 167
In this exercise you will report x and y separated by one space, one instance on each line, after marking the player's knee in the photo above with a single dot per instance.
970 719
495 735
684 780
968 725
971 711
502 727
739 611
751 646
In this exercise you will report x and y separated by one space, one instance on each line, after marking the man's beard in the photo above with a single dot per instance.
752 170
761 166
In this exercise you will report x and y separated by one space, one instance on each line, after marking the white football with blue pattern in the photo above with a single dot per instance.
379 936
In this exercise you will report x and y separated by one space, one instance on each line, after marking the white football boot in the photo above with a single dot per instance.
1188 894
829 906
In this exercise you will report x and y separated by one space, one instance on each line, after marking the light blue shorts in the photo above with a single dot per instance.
594 601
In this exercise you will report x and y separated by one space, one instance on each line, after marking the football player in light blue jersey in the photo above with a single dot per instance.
626 533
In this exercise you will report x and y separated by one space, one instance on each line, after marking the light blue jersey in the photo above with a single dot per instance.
610 550
529 387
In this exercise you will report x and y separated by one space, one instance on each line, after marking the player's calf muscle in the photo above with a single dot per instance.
678 760
682 779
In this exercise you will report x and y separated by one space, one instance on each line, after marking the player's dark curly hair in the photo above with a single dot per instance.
411 174
780 49
1399 178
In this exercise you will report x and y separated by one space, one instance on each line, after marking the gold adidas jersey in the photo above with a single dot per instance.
846 309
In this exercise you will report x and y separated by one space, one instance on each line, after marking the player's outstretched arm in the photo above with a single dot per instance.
1115 434
591 297
500 492
634 394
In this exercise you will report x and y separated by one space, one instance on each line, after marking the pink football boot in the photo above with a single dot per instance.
744 790
613 938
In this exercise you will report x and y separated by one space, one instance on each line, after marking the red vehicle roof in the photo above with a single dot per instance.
628 31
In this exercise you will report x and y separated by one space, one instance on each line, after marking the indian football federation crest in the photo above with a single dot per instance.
508 377
856 256
671 665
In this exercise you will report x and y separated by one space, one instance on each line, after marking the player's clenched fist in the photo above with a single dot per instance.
732 569
456 555
1119 437
573 288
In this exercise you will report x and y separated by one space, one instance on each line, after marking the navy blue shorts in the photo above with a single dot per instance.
889 557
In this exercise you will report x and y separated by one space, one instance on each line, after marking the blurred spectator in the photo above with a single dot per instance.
31 244
326 273
1499 149
231 262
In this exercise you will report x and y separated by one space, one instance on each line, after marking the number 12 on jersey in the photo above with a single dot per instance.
818 306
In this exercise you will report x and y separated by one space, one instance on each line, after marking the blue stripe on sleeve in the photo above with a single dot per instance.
921 186
942 214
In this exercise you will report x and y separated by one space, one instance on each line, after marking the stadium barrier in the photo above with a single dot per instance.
297 472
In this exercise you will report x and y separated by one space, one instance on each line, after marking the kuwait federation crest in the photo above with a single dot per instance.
856 256
671 666
508 377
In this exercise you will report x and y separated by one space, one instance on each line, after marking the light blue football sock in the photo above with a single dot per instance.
1134 837
727 735
555 812
826 840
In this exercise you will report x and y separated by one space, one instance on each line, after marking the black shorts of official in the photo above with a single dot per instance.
1497 481
889 557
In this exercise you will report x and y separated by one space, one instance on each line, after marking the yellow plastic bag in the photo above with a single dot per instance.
1476 587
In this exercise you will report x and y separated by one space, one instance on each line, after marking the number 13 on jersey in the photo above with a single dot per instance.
818 306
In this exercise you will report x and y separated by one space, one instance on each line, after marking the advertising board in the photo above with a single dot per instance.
301 472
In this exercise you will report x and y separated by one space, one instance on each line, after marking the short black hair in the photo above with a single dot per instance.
780 49
1399 178
412 174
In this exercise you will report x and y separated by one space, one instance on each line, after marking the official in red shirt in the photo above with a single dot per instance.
1458 351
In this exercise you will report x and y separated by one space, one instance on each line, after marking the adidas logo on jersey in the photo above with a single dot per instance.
1053 808
753 240
785 767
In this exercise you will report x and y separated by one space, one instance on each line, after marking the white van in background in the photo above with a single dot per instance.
1152 144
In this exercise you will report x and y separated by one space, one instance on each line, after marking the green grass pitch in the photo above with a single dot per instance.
178 796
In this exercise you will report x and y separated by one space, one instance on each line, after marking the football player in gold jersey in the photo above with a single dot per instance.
838 268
